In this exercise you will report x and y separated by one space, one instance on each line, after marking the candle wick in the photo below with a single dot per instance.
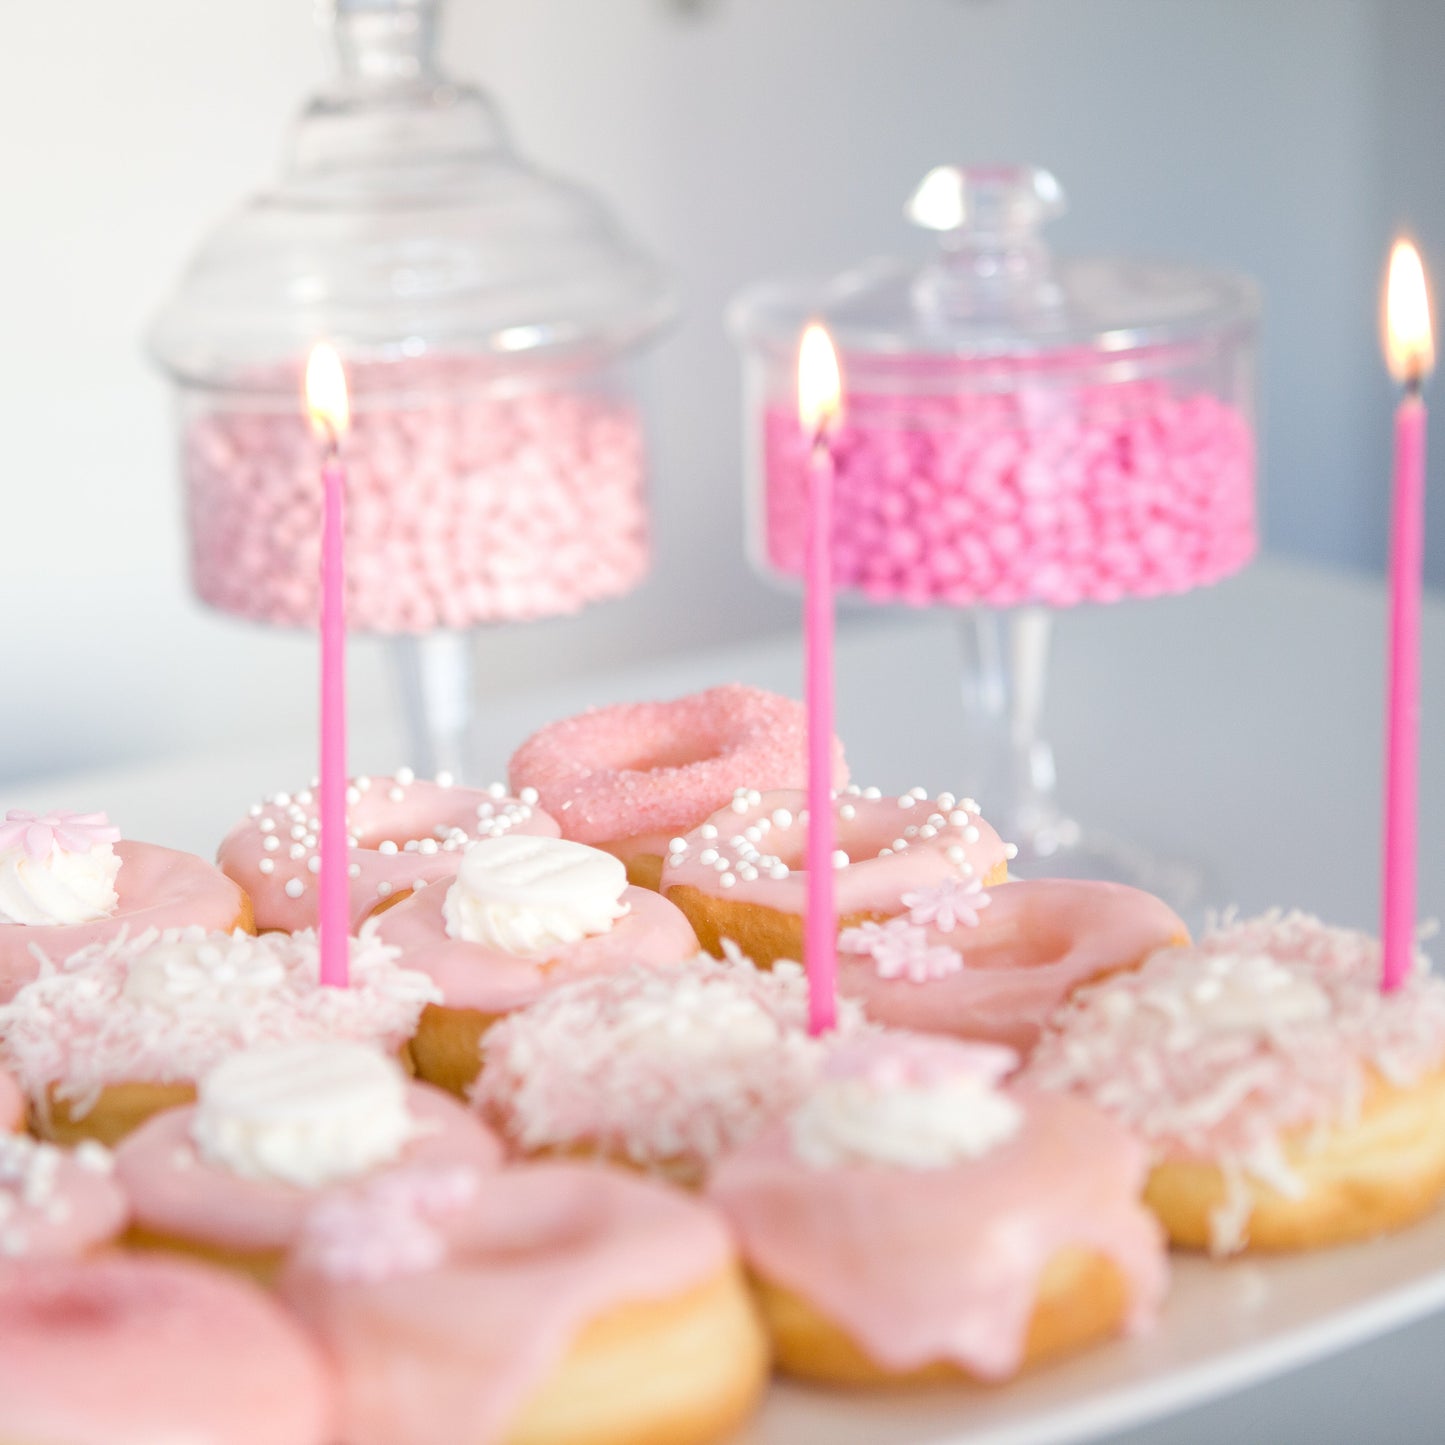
1415 382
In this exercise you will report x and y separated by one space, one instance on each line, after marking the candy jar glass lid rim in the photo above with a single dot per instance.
991 286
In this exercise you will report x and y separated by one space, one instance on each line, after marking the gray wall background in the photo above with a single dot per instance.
741 138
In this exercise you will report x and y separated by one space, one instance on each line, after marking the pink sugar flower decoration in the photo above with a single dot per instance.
947 904
900 949
41 834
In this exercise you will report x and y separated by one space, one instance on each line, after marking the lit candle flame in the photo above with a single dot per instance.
1409 338
820 385
326 398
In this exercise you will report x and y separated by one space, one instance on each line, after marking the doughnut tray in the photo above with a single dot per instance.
1224 1327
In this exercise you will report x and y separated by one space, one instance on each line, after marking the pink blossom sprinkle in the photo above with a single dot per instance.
900 949
947 904
41 834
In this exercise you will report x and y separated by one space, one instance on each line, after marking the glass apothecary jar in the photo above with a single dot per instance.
1020 433
489 317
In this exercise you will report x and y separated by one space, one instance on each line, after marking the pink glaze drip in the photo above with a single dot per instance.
12 1104
75 1028
1023 494
157 888
924 1265
139 1350
1133 1046
746 851
476 976
55 1204
175 1191
656 1066
651 767
1033 945
464 506
41 834
273 854
454 1351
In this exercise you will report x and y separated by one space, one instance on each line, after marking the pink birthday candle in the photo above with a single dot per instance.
1410 353
819 402
328 404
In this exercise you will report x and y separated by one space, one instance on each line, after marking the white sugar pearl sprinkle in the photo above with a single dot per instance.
354 871
405 776
528 797
727 880
268 825
677 845
1010 850
383 890
707 857
313 863
445 780
841 859
272 843
971 834
708 831
387 847
267 865
956 854
396 794
298 850
295 888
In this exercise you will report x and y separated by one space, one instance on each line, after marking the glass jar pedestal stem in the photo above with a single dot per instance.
435 673
1005 677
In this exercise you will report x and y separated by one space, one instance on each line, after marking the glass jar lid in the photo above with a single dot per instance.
403 225
992 288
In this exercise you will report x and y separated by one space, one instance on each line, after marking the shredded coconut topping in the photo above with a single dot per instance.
166 1007
1264 1027
662 1066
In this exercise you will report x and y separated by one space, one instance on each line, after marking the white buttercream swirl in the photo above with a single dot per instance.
532 896
1230 992
62 888
906 1102
309 1114
203 975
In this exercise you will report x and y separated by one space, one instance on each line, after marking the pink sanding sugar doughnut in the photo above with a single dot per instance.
406 834
662 767
139 1349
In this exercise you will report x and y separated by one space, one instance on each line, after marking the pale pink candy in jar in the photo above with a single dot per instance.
488 317
1016 429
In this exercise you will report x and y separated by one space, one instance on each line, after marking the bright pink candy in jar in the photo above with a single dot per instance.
1045 490
465 504
1016 429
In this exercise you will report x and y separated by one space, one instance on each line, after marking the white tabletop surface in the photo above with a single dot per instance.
1240 726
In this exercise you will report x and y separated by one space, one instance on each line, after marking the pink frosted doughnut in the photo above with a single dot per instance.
56 1204
913 1204
12 1104
994 965
451 1302
406 833
179 1195
476 976
135 1350
157 888
646 771
739 875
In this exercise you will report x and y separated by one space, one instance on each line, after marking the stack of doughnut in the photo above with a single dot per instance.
563 1165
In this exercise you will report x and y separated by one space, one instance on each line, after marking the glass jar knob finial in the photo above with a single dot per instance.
385 40
992 259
